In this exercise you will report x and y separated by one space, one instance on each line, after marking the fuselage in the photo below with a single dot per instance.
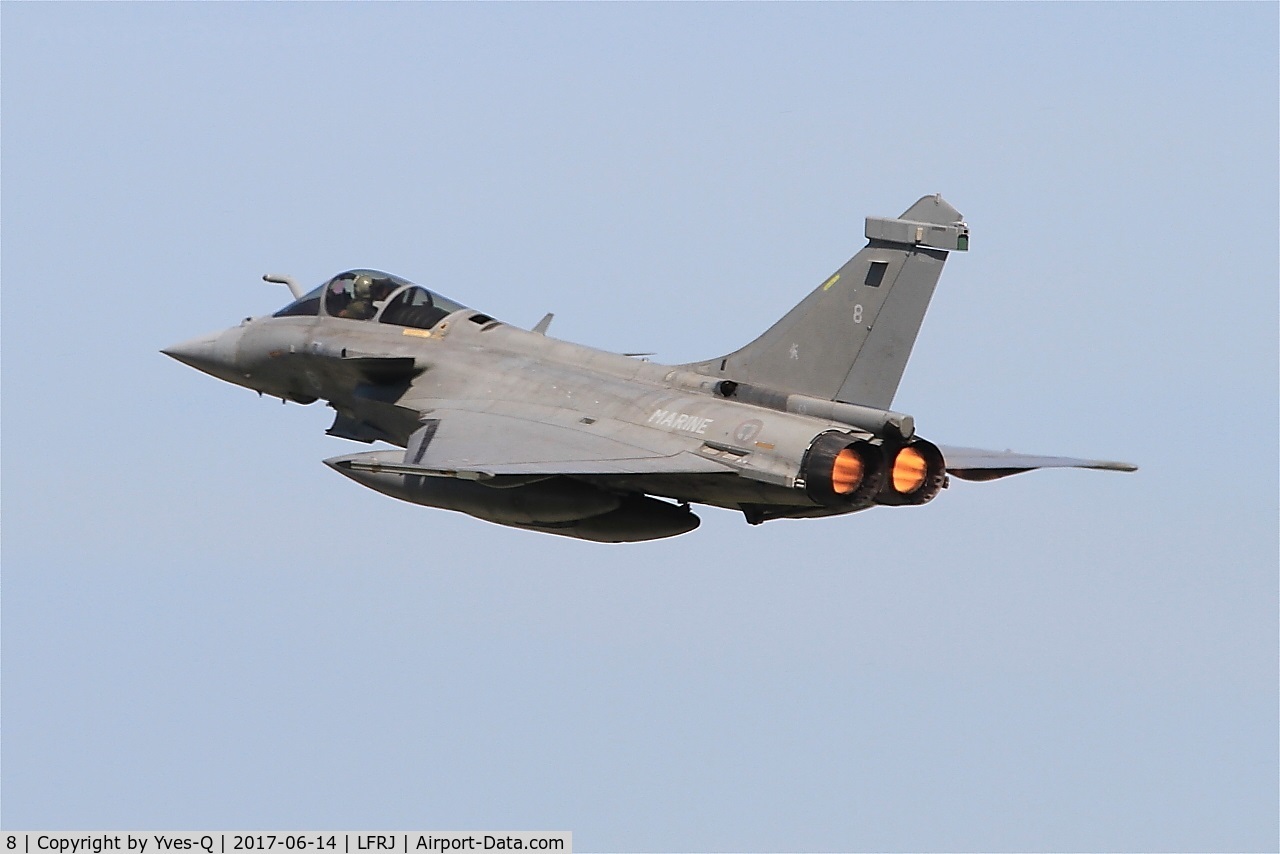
577 441
521 429
469 357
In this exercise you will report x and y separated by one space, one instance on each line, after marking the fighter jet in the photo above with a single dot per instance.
517 428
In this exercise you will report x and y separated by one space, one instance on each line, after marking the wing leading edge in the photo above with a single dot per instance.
462 444
980 465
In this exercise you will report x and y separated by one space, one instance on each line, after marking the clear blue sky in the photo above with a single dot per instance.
204 627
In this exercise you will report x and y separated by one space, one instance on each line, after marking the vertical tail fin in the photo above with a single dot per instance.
850 339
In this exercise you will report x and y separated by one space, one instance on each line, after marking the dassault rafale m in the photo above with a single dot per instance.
518 428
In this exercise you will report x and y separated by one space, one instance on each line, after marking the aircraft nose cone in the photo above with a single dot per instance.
214 353
196 352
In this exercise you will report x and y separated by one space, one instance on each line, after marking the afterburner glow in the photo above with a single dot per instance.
909 470
847 472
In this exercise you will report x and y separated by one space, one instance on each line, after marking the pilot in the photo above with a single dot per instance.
361 306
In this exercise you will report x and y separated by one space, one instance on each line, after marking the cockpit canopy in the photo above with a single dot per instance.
371 294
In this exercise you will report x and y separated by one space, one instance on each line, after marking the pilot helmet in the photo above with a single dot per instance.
362 287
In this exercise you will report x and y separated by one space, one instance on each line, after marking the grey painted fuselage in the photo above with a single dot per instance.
522 429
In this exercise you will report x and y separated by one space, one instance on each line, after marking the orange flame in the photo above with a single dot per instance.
909 470
846 472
